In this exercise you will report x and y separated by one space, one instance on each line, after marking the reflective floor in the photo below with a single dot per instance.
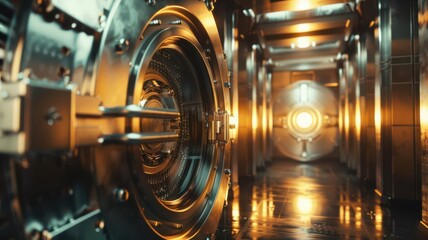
292 200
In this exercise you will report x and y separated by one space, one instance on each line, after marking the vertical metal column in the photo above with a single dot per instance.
269 116
344 110
365 55
369 157
360 93
262 111
398 162
253 69
247 167
353 78
226 15
423 45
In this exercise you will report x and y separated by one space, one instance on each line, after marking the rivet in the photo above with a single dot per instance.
65 51
63 72
52 116
151 2
176 22
155 22
99 225
102 20
121 195
122 46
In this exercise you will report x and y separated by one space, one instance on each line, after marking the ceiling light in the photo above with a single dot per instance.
303 27
303 5
303 42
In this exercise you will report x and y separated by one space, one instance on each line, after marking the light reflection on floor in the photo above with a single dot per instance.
312 201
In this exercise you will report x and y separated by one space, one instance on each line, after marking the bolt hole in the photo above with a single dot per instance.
65 51
63 72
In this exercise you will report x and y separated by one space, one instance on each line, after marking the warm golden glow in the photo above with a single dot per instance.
233 126
358 119
235 209
348 23
378 192
304 120
378 217
424 224
424 116
358 217
303 27
304 205
331 84
347 214
303 42
303 5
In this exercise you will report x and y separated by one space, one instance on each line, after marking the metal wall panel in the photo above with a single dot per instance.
397 163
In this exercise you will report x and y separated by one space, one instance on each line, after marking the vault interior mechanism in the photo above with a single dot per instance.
175 185
129 111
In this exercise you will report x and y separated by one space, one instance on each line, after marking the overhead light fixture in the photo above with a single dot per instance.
303 42
303 5
303 27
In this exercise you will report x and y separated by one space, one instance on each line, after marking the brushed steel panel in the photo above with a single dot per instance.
402 73
404 172
402 104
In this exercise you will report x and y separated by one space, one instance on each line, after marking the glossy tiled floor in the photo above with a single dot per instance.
291 200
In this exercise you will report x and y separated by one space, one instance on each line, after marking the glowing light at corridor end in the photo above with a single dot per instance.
304 205
303 42
304 120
